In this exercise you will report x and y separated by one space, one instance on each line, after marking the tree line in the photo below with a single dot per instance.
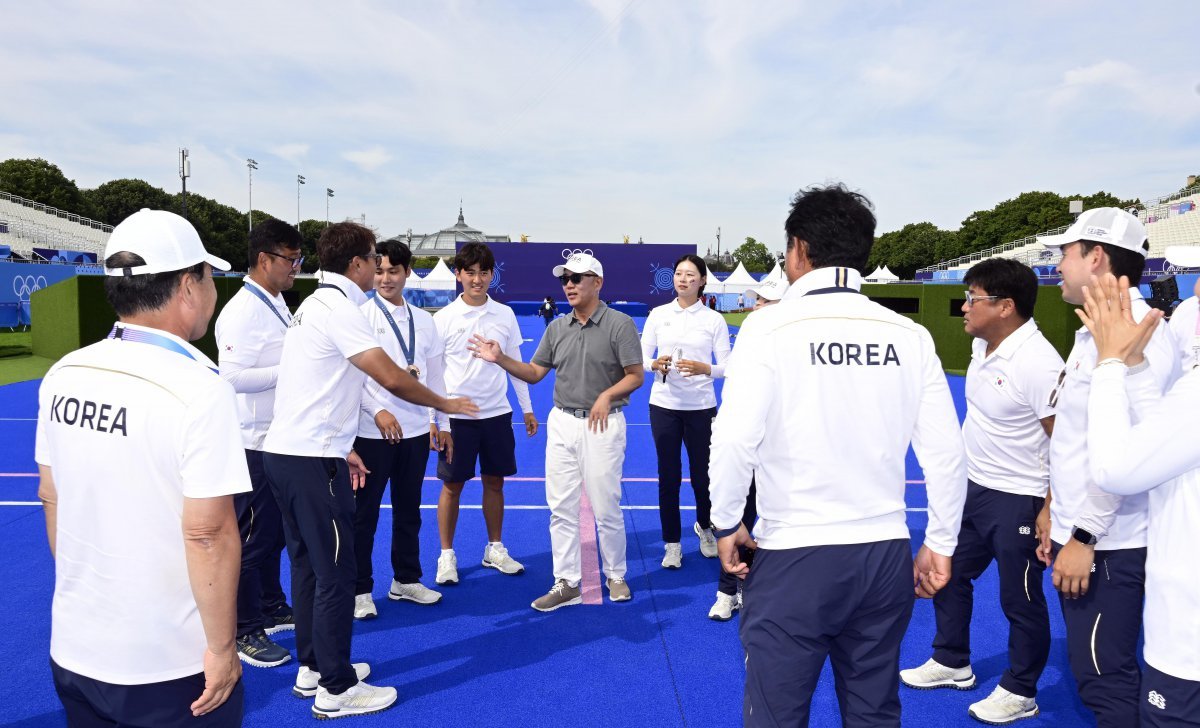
224 228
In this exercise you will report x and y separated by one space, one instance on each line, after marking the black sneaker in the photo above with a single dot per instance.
258 650
280 621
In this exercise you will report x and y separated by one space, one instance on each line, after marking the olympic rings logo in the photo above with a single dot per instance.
567 252
24 286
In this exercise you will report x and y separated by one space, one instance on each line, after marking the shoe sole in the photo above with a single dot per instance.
281 628
955 684
262 663
400 597
672 566
560 605
446 582
626 598
366 617
490 565
719 618
1013 719
348 713
302 693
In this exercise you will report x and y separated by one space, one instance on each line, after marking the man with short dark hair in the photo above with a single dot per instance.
1009 419
597 358
249 334
1098 541
139 457
328 352
394 436
824 392
488 438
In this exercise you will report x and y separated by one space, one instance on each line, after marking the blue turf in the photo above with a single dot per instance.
482 657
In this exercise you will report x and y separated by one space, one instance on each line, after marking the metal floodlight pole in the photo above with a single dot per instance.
251 165
185 171
328 194
299 181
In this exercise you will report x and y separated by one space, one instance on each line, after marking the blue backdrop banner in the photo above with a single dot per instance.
18 281
642 273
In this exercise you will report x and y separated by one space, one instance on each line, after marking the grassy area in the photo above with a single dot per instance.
735 319
17 362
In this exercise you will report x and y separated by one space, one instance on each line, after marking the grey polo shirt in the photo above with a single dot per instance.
588 359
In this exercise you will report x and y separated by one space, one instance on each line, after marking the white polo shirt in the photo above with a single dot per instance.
428 357
823 394
1186 334
1118 523
1008 395
467 376
699 334
320 391
1159 455
249 335
129 430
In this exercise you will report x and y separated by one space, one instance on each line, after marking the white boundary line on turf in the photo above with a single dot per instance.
430 478
433 506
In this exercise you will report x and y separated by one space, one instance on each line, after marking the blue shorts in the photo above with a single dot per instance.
490 441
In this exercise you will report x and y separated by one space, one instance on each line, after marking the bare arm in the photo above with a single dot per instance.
214 559
1048 425
489 350
48 495
380 367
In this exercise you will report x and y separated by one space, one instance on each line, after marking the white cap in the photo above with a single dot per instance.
1184 256
771 288
1102 225
580 263
166 241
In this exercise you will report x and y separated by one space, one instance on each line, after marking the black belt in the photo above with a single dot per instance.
583 414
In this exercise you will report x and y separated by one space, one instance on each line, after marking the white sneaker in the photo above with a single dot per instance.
364 607
708 542
414 592
308 680
1002 708
447 571
359 699
723 609
933 674
672 556
496 557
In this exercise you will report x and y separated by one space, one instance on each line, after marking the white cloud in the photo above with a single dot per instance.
369 160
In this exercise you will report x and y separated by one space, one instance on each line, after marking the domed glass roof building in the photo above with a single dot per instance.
442 243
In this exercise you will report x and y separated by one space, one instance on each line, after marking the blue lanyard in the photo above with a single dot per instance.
330 285
263 297
122 333
409 349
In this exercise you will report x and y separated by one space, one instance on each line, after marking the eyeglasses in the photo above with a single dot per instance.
972 298
371 257
575 278
294 262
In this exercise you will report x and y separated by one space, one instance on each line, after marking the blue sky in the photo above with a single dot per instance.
584 121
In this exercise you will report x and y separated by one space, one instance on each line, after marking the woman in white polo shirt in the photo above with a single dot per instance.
680 343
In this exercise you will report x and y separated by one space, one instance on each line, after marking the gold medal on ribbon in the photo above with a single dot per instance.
414 370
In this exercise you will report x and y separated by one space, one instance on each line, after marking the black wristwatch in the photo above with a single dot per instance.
723 532
1084 537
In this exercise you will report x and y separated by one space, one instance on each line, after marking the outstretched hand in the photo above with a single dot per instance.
485 348
1107 313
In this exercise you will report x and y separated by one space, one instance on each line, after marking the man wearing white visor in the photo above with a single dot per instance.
597 358
1099 540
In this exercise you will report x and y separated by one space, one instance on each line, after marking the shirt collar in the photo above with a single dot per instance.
675 308
277 298
198 355
820 278
595 317
1011 343
477 310
393 309
345 285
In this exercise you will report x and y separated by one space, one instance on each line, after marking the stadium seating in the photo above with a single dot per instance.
25 224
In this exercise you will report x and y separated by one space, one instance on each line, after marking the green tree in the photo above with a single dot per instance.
755 256
310 230
114 201
913 246
41 181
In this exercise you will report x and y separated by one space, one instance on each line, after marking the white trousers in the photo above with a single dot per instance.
577 458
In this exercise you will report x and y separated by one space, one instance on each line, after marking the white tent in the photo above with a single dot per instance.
438 279
881 275
739 281
776 272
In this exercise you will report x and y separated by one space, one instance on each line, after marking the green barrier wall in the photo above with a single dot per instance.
72 314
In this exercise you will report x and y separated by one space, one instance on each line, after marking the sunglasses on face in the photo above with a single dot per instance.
371 257
972 298
575 278
294 262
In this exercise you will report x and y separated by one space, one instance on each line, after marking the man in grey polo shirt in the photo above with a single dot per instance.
597 358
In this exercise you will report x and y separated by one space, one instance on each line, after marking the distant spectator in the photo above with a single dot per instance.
548 310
